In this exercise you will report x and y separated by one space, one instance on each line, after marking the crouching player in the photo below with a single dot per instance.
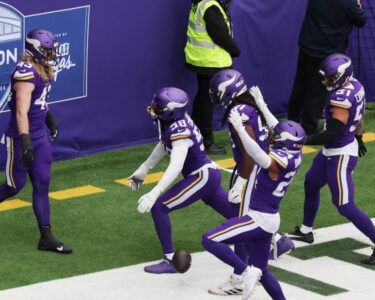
181 139
277 170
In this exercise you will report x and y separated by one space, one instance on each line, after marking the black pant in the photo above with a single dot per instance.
309 95
203 109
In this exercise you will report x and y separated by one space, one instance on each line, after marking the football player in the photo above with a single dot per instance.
342 144
181 139
228 90
277 168
27 143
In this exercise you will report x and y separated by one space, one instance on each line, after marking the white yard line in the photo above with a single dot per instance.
131 283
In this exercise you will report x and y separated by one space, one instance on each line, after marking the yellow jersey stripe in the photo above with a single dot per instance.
230 228
24 78
177 137
278 160
11 163
338 175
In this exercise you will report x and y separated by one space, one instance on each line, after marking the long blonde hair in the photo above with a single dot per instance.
45 72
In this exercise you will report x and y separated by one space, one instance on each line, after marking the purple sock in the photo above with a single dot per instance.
163 226
272 286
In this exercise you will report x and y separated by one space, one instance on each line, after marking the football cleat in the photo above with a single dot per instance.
251 276
371 259
232 287
163 267
48 244
298 235
283 245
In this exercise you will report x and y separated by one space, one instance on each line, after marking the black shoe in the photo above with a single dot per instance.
297 235
371 259
48 242
213 149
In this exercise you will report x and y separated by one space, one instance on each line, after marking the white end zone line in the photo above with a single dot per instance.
131 283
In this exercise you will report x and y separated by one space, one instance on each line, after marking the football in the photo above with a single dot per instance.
181 261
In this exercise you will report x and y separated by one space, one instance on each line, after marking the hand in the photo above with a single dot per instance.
53 134
147 201
27 150
359 3
258 97
236 120
136 179
235 193
362 150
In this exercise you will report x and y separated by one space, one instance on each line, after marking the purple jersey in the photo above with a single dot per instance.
25 72
268 193
250 117
186 129
352 98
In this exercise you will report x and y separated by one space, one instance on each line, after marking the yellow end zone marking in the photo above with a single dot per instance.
226 163
13 204
75 192
150 178
307 149
368 137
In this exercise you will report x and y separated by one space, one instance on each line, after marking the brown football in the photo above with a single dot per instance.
181 261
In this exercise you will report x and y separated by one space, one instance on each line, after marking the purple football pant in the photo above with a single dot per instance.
39 173
336 171
258 243
204 185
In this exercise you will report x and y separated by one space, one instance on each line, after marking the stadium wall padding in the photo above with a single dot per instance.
134 47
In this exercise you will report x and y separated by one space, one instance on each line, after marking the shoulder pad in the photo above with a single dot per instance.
280 156
341 98
179 133
24 71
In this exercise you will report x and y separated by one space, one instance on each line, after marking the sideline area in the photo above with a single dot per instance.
131 283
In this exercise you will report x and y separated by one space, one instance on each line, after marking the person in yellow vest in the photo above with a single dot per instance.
209 48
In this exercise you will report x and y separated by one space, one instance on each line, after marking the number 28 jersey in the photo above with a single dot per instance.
25 72
186 129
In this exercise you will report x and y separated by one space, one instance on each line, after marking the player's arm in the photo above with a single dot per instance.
23 101
139 175
259 100
355 12
360 129
245 168
253 149
179 152
334 127
52 125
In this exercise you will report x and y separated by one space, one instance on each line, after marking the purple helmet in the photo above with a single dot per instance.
169 104
336 70
225 86
288 135
42 45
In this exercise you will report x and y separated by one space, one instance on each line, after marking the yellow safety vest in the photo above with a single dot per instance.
200 50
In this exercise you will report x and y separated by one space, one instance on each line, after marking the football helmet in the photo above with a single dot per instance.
225 86
42 45
336 69
288 135
169 104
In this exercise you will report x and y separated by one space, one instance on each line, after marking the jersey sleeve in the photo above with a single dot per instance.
280 157
24 72
341 98
248 114
178 132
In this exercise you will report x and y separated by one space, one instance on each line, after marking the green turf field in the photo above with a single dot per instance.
106 230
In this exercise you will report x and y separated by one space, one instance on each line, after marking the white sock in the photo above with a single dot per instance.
277 237
169 256
305 230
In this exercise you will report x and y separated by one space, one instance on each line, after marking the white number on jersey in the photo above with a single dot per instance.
42 99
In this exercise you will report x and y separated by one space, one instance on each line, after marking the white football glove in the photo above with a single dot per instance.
236 120
235 193
147 201
257 94
136 179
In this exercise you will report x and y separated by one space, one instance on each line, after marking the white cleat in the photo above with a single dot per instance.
232 287
251 277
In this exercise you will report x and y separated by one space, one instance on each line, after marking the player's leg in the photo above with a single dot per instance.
258 257
182 194
235 230
315 179
15 173
342 191
40 176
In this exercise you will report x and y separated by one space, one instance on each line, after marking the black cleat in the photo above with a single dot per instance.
371 259
297 235
48 242
213 149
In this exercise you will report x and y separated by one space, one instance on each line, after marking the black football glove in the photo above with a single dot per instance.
362 150
27 150
52 126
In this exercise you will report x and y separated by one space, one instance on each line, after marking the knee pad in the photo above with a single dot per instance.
206 242
346 210
159 207
41 184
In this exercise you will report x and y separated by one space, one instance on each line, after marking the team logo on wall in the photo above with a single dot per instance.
70 80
